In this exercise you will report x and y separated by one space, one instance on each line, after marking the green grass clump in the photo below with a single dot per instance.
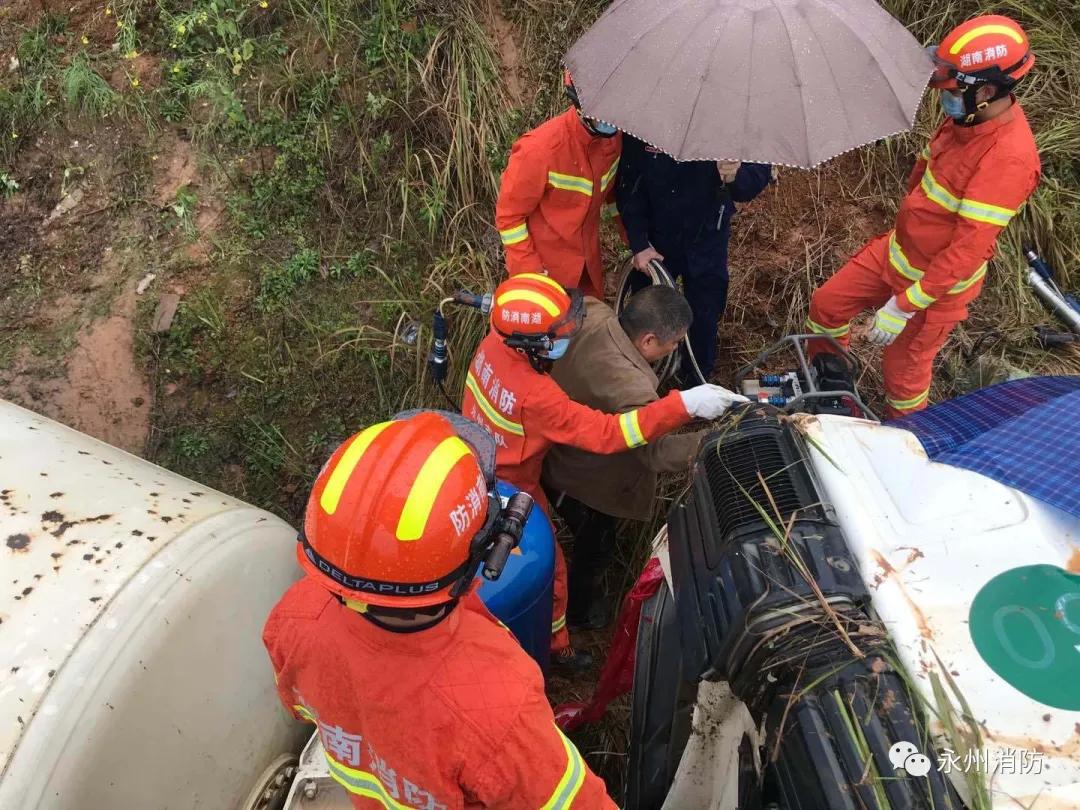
85 90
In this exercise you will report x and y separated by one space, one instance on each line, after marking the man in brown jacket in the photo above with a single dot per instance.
607 367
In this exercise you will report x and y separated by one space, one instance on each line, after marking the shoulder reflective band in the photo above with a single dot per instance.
493 415
363 585
572 779
570 182
609 175
511 236
558 624
631 429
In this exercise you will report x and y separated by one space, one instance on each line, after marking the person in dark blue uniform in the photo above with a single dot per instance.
680 213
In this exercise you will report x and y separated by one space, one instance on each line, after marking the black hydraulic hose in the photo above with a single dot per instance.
657 274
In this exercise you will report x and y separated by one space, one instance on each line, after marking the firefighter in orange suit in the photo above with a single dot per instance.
421 698
978 169
509 393
560 179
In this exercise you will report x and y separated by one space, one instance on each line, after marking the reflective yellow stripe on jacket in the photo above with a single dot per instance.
570 182
968 208
631 429
363 784
511 236
572 779
609 175
490 411
915 293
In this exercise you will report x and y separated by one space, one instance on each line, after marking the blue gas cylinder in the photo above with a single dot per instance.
521 597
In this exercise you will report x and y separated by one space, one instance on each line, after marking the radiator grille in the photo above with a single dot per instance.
732 467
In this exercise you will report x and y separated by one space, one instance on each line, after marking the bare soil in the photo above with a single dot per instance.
75 331
503 35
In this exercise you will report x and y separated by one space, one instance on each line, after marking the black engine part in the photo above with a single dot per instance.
662 708
827 748
745 541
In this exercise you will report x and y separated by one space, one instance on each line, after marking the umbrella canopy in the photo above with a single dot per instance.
789 82
1021 433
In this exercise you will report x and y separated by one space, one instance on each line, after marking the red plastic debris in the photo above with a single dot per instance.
617 676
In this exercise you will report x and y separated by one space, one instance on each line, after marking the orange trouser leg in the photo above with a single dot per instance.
560 636
860 284
908 362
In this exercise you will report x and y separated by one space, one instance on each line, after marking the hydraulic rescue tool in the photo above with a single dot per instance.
1041 278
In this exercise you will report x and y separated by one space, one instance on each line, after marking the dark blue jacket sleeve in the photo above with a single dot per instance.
750 180
631 196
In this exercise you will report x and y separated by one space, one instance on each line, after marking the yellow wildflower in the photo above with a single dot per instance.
108 11
85 40
135 82
263 4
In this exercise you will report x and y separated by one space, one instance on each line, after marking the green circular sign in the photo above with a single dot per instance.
1025 623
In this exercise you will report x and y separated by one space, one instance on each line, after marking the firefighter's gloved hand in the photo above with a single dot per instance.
888 323
709 401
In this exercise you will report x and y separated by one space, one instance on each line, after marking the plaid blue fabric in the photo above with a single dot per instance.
1023 433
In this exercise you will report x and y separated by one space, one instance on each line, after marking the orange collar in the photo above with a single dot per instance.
576 130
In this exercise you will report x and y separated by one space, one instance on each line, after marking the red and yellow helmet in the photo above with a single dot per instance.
531 305
990 48
393 515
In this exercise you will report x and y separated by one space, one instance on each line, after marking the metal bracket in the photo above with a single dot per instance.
797 343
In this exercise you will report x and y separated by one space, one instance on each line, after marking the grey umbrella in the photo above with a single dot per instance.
790 82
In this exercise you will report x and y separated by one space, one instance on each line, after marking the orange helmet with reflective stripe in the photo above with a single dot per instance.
393 515
531 305
990 48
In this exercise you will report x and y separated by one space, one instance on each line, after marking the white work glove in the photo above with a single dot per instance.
889 322
709 401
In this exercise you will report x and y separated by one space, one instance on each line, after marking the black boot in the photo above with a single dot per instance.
569 661
596 616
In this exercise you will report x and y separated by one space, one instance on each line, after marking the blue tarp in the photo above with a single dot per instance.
1023 433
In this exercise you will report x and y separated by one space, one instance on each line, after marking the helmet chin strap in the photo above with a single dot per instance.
972 107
